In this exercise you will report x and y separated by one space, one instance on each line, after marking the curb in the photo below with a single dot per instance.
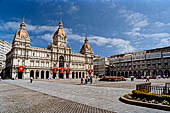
145 104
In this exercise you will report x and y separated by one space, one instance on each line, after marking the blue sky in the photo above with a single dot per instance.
112 26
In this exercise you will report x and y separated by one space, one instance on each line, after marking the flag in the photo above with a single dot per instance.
90 71
21 68
68 70
55 69
61 70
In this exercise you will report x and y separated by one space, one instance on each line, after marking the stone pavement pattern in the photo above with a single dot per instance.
16 99
100 97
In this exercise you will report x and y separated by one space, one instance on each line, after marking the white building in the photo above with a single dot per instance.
101 66
5 47
56 61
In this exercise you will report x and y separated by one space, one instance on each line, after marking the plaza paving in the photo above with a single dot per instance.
101 97
16 99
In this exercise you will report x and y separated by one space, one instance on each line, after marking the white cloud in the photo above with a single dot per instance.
121 45
164 42
73 9
156 35
47 37
14 26
47 33
9 26
159 24
135 19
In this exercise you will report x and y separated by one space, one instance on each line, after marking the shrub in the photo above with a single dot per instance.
164 102
150 96
144 100
138 99
154 101
128 96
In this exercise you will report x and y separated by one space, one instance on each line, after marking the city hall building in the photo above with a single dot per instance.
144 63
55 61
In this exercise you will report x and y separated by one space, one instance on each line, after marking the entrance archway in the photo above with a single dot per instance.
118 74
54 75
122 74
139 74
20 75
148 73
67 75
42 74
154 73
160 73
61 75
166 73
126 74
83 75
37 74
114 73
134 73
76 74
61 65
72 75
47 74
79 74
32 73
130 74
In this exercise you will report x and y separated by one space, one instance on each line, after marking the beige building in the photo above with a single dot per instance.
56 61
5 47
101 66
149 62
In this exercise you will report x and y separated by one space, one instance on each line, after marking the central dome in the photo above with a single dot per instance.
22 31
86 47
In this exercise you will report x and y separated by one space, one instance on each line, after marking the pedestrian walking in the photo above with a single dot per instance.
82 80
147 79
86 80
91 79
31 79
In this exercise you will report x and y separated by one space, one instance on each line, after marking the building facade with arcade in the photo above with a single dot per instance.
154 62
55 61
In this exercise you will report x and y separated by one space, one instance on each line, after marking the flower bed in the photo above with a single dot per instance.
113 78
145 96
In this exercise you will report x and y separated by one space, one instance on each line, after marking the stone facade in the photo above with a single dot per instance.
101 66
149 62
5 47
55 61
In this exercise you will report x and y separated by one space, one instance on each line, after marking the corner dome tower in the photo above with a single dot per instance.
86 48
21 37
60 38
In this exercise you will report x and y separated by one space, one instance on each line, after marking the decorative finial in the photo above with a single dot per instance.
86 40
22 25
22 19
69 45
60 24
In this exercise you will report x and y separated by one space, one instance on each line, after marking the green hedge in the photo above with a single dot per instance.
150 96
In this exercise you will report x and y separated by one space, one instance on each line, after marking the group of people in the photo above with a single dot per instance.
86 80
